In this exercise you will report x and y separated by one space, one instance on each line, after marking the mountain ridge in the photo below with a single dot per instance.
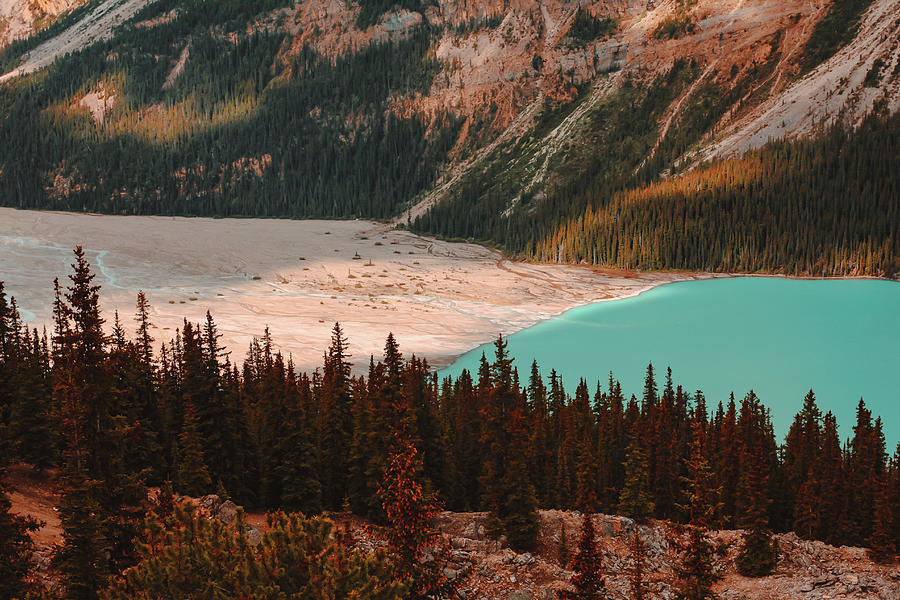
505 108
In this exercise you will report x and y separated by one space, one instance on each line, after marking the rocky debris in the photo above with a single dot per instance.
226 512
488 570
807 569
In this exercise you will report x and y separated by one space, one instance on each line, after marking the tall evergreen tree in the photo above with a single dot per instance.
635 500
411 531
191 473
696 572
100 496
882 545
587 564
16 546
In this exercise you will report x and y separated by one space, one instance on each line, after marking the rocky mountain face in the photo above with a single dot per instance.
502 108
21 18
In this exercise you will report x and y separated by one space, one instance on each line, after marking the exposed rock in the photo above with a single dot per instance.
227 512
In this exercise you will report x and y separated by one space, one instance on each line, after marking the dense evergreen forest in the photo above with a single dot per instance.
256 127
116 413
248 128
824 206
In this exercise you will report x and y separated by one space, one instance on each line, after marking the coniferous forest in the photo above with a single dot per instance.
259 125
116 413
249 128
827 206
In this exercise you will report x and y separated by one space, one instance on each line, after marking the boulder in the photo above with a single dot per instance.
227 512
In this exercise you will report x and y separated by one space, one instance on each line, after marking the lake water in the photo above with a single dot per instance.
779 337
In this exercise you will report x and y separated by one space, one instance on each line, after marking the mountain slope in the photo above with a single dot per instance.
498 121
861 78
22 18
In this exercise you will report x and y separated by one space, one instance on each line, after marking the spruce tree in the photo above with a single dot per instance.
99 507
191 474
587 564
336 420
506 478
759 553
696 571
637 551
636 500
299 469
410 515
882 546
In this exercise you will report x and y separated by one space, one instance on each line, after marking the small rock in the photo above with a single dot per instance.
209 502
254 535
525 559
227 512
450 574
850 579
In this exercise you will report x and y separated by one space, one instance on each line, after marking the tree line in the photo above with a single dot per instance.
116 413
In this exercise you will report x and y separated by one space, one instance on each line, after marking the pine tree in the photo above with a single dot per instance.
411 532
882 546
191 475
587 565
194 558
638 555
635 500
696 572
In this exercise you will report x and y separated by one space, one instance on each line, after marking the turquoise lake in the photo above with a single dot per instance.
779 337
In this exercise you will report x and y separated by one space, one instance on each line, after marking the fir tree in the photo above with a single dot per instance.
411 532
587 565
635 500
638 554
695 571
191 475
882 546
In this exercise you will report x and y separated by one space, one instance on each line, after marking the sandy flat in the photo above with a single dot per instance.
440 299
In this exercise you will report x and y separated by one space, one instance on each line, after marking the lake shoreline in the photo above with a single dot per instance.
778 336
440 299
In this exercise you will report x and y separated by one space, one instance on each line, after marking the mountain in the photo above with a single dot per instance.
22 18
557 130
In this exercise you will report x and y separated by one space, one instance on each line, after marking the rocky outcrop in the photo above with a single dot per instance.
21 18
806 569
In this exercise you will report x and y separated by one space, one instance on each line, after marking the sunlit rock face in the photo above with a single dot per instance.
21 18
